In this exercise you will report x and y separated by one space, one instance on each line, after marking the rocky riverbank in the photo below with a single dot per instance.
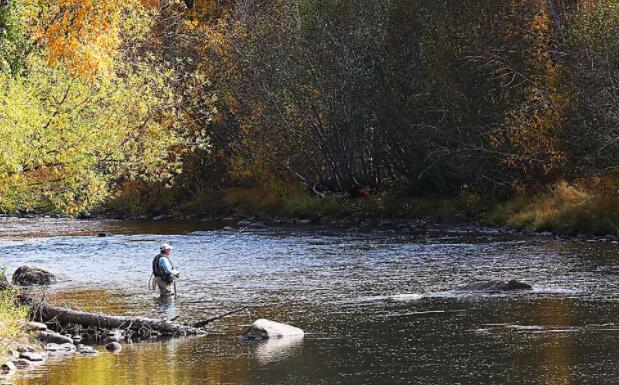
30 344
45 344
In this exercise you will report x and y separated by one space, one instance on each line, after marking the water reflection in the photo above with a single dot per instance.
166 307
273 350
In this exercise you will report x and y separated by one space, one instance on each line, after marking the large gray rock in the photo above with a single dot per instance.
263 328
30 275
54 338
496 286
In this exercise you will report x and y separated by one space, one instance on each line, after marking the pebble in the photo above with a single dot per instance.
25 348
33 356
22 364
9 366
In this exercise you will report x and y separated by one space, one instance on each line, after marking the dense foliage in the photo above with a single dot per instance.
70 127
164 100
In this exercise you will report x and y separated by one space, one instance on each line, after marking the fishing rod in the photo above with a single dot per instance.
151 283
226 240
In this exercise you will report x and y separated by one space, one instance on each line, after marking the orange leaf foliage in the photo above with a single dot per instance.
82 34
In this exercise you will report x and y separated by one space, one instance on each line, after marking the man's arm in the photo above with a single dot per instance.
166 266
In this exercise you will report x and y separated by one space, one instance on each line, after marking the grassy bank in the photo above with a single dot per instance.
12 320
585 207
296 203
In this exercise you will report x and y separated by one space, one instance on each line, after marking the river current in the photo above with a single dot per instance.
379 306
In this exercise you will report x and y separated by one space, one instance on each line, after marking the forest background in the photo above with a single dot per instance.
498 111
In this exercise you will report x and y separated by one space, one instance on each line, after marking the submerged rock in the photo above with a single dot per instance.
60 348
608 269
263 328
113 347
496 286
30 275
86 350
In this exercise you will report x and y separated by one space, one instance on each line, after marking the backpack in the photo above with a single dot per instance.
157 272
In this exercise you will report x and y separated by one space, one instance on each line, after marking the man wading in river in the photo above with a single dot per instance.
164 272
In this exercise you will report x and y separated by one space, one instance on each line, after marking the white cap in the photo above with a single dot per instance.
165 247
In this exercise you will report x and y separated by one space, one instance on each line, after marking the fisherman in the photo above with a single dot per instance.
164 271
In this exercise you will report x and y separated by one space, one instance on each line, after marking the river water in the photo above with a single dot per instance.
378 306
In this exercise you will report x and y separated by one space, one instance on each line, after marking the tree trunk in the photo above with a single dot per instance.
46 312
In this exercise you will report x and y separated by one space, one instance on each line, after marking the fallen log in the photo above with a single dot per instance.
45 312
50 313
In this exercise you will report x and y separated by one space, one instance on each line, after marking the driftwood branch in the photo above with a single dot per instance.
207 321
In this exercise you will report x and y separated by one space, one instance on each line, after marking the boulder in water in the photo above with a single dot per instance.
263 328
30 275
496 286
113 347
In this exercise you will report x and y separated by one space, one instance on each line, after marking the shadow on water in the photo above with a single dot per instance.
378 307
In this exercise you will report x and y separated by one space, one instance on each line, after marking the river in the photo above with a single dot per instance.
378 305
